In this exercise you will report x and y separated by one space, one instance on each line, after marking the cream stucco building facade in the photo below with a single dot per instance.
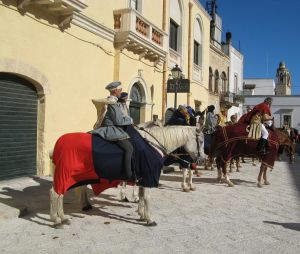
68 50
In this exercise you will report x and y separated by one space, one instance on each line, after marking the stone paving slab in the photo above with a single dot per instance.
213 219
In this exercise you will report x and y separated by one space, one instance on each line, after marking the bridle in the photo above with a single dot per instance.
165 150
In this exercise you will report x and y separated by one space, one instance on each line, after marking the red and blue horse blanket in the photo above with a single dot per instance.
233 141
82 158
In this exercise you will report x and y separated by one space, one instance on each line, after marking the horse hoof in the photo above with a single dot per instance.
219 180
237 170
87 208
186 189
151 224
192 188
267 183
259 185
136 200
58 226
253 164
125 200
230 184
66 222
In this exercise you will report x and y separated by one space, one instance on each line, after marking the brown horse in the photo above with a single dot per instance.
233 141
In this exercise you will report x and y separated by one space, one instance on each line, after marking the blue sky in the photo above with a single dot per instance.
267 32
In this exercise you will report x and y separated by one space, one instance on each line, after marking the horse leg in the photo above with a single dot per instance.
81 193
266 182
206 163
262 169
190 181
211 162
141 205
253 161
224 171
219 170
184 186
135 196
123 192
231 165
149 221
238 165
56 210
54 207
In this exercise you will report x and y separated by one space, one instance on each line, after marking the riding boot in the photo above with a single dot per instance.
262 147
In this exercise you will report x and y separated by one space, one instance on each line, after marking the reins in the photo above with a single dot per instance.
162 148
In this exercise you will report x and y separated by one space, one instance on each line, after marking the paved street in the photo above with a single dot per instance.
213 219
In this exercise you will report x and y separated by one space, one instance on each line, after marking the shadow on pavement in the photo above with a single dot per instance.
295 172
33 202
293 226
211 180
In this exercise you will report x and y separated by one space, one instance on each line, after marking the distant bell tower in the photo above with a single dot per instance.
283 80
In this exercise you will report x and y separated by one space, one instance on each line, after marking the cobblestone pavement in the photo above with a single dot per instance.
213 219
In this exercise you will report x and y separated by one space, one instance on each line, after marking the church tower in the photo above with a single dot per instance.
283 80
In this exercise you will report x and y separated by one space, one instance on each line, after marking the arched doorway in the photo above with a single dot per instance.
18 127
137 96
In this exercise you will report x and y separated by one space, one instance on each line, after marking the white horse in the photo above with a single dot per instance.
187 173
170 138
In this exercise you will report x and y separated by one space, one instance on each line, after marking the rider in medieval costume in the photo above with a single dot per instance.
258 119
112 127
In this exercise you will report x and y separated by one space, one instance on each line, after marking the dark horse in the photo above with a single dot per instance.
288 143
233 141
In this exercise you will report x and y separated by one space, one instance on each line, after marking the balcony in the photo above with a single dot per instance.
62 9
226 97
140 36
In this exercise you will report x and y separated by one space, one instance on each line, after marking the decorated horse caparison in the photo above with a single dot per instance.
233 141
82 158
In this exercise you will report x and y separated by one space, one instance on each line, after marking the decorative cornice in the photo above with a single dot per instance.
200 6
78 5
93 26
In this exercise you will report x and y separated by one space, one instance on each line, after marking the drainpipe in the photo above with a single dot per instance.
117 65
164 80
190 60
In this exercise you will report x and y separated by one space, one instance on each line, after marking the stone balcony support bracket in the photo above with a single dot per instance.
62 9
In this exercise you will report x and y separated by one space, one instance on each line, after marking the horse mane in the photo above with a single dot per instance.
171 137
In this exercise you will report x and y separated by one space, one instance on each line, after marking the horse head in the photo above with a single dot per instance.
195 144
285 141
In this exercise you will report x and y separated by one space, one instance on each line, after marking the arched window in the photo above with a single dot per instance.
136 93
224 82
197 43
175 34
137 96
210 82
216 88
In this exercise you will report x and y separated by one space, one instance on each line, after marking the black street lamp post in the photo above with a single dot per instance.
176 74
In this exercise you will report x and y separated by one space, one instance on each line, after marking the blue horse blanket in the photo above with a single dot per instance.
108 159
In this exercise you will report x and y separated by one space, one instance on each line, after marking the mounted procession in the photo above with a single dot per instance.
117 152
